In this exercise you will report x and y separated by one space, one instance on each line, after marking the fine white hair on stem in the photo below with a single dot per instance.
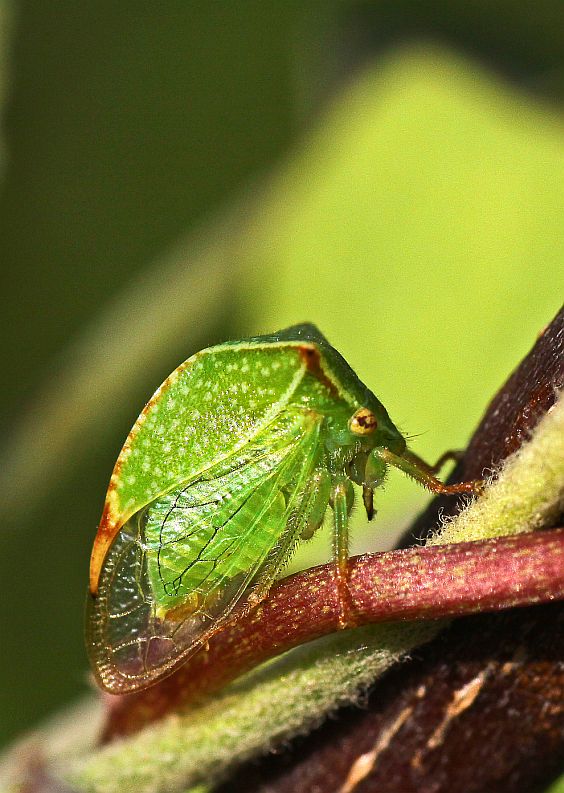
527 493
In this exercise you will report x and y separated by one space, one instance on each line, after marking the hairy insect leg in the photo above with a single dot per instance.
342 498
411 465
451 454
316 500
368 500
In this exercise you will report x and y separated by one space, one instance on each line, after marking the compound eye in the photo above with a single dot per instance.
363 422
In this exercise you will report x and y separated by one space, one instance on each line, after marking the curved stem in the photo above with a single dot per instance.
415 583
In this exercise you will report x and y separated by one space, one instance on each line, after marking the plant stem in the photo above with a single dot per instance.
416 583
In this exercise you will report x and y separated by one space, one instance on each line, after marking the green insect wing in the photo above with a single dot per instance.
179 566
214 486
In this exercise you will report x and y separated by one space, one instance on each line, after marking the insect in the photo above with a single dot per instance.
236 457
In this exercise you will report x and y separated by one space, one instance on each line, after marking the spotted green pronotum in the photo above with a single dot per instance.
236 458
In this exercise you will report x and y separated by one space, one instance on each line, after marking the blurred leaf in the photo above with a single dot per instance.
557 787
421 228
176 298
412 227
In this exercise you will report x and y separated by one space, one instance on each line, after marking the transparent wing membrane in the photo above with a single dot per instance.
178 567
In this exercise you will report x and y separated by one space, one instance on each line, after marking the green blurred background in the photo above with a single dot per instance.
179 173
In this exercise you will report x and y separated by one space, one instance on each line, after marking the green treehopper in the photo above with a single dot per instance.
234 460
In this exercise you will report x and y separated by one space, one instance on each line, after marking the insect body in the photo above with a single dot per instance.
235 459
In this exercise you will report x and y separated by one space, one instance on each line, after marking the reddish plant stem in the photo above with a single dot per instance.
415 583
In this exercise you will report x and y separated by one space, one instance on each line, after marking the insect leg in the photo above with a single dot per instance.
342 498
368 500
421 472
316 501
451 454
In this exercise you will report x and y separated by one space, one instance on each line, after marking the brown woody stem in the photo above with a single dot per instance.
415 583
